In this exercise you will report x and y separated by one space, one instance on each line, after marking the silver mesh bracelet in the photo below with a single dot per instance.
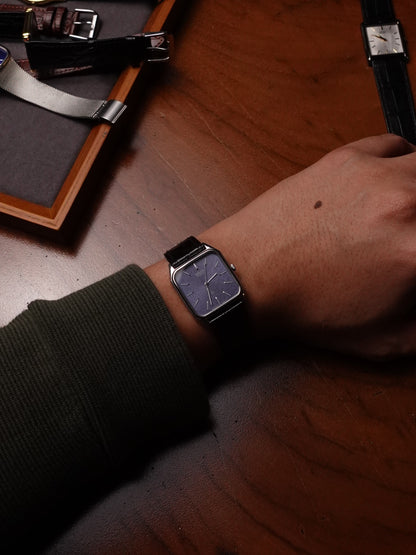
16 81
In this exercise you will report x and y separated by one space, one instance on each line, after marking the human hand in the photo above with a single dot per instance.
328 256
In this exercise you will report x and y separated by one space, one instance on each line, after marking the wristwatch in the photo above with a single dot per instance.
205 281
385 48
16 81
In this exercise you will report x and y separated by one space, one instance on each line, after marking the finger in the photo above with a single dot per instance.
385 146
397 342
406 338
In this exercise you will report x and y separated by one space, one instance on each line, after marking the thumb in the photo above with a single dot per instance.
384 146
398 341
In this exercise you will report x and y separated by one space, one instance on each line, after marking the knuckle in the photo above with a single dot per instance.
383 351
396 141
400 203
348 159
347 153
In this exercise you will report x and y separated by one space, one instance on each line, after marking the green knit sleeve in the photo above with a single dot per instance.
85 383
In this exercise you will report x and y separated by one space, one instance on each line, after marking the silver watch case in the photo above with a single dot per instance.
383 40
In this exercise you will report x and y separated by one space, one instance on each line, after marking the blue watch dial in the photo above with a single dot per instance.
207 284
4 56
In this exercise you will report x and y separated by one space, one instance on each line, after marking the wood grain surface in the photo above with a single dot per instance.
307 452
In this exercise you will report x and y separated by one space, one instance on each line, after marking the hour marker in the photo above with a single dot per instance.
226 293
196 302
195 266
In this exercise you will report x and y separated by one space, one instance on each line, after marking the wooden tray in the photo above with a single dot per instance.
46 158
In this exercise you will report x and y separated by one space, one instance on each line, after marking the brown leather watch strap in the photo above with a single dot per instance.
55 22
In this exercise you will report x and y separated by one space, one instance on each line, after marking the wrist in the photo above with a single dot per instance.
236 243
204 294
199 339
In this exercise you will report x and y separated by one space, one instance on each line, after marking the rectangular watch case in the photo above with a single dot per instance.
391 47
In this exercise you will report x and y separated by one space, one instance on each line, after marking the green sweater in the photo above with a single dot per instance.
87 382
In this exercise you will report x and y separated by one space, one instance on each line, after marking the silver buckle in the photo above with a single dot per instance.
157 47
28 25
86 19
87 24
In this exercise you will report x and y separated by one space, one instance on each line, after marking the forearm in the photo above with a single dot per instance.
324 257
85 382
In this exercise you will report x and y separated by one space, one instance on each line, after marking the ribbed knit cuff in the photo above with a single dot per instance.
85 382
128 363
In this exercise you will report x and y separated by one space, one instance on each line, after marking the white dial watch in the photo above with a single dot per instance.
384 39
385 48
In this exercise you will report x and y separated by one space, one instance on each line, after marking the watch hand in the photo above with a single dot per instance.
211 278
206 282
209 294
380 37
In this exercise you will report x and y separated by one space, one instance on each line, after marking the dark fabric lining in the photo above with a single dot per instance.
37 147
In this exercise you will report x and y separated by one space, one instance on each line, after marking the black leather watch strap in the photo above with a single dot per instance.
104 53
396 96
184 251
377 11
11 25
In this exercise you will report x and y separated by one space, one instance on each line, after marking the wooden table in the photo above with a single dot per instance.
308 452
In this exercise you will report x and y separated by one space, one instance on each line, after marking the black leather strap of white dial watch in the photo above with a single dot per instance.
396 97
376 11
